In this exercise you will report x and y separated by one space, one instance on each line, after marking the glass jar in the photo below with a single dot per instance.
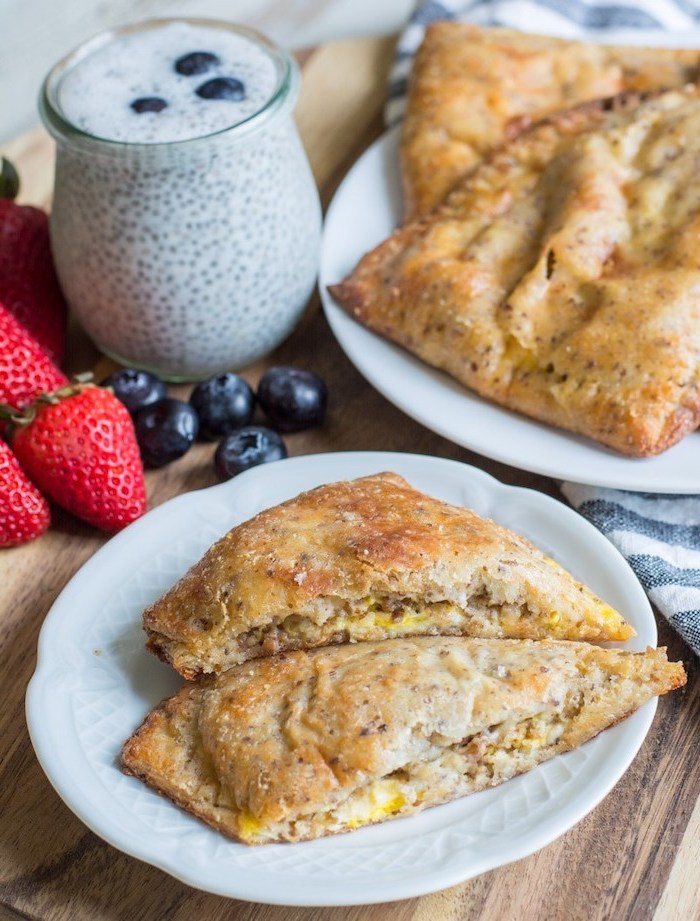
187 257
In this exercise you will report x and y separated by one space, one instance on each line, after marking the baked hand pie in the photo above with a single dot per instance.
325 741
472 88
561 277
366 559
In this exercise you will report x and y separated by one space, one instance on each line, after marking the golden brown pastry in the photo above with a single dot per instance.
366 559
561 278
472 88
320 742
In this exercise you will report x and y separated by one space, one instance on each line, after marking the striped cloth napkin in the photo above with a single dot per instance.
659 535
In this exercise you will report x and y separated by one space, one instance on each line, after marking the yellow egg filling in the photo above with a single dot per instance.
382 798
248 825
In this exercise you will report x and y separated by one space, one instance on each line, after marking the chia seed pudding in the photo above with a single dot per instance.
186 222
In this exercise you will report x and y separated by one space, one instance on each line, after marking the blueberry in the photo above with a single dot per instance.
135 388
165 430
223 403
148 104
196 62
247 447
222 88
293 399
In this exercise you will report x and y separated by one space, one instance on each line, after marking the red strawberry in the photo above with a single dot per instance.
24 512
25 368
28 283
78 445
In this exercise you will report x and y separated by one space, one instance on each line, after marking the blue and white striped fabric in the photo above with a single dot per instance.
658 535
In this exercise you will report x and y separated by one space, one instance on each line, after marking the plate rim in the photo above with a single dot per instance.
391 890
628 473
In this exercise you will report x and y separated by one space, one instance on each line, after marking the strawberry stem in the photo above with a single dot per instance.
9 180
26 415
10 414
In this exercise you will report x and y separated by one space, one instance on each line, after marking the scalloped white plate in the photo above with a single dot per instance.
365 210
94 683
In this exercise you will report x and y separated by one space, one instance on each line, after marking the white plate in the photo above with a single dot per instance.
94 684
365 210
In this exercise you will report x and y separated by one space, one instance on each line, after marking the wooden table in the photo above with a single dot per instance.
634 857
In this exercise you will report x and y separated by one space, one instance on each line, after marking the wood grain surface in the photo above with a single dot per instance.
634 857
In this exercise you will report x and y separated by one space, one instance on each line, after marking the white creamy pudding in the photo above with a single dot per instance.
186 222
169 71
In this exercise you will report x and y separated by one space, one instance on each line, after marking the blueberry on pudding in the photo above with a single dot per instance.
222 88
196 63
148 104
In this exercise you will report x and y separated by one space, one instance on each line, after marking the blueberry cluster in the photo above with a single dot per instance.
194 64
221 409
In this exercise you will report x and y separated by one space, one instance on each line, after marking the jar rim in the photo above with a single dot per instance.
282 98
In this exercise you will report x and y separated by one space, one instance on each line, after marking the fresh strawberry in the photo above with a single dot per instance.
24 512
25 369
78 445
28 283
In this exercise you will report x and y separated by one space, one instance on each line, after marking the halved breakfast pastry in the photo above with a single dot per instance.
472 88
561 278
320 742
366 559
